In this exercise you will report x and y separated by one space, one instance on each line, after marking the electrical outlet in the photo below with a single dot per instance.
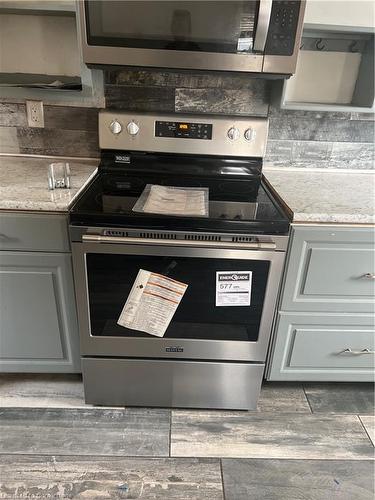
35 113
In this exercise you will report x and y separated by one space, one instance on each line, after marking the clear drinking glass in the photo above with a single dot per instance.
58 175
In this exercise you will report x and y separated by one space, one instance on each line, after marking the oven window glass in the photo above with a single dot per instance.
110 278
209 26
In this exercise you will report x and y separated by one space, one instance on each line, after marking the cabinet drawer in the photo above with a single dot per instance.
323 347
329 269
44 232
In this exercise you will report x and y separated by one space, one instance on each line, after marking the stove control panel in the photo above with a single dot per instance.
185 130
183 134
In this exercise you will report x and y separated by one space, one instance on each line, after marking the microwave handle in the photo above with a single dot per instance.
264 16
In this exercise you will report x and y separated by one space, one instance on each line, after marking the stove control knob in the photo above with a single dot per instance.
132 128
250 134
115 127
233 133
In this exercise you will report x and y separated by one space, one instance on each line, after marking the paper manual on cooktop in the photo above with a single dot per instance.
171 200
152 302
233 288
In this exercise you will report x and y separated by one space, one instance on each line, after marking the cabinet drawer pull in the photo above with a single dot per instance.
368 276
348 350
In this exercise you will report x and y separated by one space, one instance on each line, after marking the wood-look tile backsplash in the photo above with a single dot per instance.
296 138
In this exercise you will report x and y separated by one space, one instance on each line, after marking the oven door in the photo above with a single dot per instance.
226 35
200 329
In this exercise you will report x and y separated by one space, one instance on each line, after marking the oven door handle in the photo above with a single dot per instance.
256 245
264 17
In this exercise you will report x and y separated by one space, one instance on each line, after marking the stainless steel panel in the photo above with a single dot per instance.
184 384
220 144
156 347
179 59
264 15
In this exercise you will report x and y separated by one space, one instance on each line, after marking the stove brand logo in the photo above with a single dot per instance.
122 159
234 277
174 349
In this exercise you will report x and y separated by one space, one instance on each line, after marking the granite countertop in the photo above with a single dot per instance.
24 184
313 195
321 195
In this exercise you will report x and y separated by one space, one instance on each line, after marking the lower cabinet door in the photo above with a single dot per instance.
38 324
318 347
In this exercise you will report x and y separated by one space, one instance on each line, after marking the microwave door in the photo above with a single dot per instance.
212 26
211 35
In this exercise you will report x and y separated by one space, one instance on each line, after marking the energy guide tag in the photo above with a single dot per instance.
233 288
152 302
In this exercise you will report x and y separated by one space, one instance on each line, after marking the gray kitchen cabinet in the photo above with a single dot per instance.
34 232
331 347
38 323
328 269
324 330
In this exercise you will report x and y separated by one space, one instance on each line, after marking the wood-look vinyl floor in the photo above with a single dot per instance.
311 442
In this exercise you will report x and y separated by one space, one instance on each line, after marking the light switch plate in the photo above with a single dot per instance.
35 114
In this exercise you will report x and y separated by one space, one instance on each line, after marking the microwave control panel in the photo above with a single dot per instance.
184 130
282 28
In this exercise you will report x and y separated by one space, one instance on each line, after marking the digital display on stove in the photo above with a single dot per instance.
183 130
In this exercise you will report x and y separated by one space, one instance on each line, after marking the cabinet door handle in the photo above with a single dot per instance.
368 276
348 350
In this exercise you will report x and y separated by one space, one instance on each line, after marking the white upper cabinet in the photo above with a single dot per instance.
342 15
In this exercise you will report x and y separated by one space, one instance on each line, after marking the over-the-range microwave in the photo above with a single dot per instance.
254 36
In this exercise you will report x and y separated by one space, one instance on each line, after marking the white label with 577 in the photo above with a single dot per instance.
233 288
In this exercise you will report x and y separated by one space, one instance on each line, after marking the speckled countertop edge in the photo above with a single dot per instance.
325 196
23 183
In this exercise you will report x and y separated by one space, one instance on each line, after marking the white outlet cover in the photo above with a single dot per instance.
35 114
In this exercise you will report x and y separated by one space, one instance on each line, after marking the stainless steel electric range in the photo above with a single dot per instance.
212 355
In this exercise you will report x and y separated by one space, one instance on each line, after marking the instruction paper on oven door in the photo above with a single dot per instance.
152 302
233 288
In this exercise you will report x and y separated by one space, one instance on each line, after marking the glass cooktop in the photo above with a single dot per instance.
239 200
